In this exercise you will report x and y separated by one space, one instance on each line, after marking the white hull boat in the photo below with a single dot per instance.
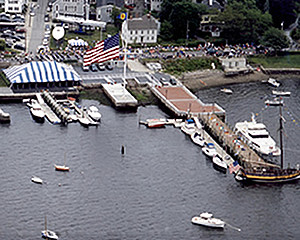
4 117
189 127
156 123
219 164
226 90
36 180
94 113
209 150
281 93
274 102
273 82
256 136
198 139
207 220
48 234
36 111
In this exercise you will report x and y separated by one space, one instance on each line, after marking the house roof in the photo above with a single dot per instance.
144 23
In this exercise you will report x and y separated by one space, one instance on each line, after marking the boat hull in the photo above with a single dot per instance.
267 178
219 165
61 168
199 221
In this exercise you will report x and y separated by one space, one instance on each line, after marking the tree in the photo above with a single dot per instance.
243 22
2 45
275 38
166 30
184 16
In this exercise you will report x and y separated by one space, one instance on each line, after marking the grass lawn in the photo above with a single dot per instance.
288 61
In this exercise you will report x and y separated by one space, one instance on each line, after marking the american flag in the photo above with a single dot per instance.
103 51
234 167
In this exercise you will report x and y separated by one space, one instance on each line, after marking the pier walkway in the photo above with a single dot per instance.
50 115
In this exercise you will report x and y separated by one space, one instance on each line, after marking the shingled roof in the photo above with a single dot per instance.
144 23
118 3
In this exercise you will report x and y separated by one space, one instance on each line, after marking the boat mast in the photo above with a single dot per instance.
280 138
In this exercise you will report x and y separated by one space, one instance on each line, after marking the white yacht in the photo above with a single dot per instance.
206 219
36 111
94 113
189 127
273 82
198 139
209 150
256 136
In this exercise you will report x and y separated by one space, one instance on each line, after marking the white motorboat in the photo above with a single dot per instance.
209 150
4 117
256 136
94 113
189 127
198 139
226 90
273 82
281 93
219 164
274 102
36 111
206 219
36 180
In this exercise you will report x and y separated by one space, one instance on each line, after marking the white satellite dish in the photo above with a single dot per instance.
58 33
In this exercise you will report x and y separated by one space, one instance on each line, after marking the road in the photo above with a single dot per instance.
36 26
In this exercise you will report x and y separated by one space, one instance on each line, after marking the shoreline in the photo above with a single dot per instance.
204 79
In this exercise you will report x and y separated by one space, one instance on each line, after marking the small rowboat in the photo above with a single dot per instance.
36 180
61 168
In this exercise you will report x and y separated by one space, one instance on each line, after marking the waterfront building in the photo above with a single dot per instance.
104 9
141 30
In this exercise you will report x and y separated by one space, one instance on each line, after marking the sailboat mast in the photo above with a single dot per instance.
280 136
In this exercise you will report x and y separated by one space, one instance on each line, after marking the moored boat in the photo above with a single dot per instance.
274 102
219 164
94 113
189 127
155 123
273 82
206 219
256 136
281 93
48 234
209 150
36 111
37 180
270 173
226 90
198 139
4 117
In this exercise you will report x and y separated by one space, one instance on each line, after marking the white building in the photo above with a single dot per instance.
155 5
71 8
14 6
141 30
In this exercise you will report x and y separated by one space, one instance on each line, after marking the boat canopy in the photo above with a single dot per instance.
206 215
38 72
190 121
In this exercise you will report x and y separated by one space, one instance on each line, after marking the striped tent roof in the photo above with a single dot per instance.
37 72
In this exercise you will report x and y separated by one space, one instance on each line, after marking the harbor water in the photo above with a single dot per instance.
152 190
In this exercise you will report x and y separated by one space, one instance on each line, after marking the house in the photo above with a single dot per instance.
153 5
71 8
208 24
105 7
143 30
14 6
234 65
136 7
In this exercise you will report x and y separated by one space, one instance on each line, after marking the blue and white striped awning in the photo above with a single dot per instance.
38 72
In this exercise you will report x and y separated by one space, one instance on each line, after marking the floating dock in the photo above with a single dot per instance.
50 115
119 96
183 103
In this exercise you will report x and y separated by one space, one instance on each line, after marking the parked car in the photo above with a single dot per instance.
93 67
19 46
173 81
85 68
101 66
109 66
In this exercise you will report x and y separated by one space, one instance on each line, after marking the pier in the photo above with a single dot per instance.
183 103
119 96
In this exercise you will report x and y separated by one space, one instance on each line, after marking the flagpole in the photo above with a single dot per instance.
125 49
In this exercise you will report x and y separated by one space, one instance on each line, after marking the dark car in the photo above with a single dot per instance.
109 66
101 66
173 81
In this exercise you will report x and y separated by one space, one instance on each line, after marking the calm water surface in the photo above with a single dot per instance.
154 190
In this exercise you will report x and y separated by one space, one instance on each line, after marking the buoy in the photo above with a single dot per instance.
123 150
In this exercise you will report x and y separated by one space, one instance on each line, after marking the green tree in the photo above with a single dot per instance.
244 22
166 30
115 13
275 38
2 45
182 15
